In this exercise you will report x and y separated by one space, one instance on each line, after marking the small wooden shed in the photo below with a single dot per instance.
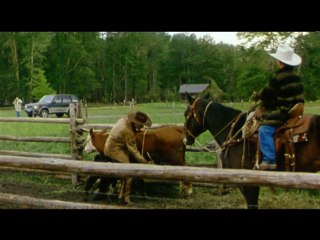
193 89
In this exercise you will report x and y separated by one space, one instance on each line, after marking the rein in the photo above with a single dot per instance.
236 118
230 137
229 123
205 112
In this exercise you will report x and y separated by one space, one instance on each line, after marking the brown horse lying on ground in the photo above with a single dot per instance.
163 145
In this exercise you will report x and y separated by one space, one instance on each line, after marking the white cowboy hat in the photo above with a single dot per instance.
286 55
140 118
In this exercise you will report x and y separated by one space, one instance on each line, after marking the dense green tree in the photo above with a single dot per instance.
33 59
10 67
268 40
117 66
309 49
253 67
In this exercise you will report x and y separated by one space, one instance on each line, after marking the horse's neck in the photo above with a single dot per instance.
219 119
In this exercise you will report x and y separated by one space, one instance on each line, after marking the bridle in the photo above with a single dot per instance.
193 113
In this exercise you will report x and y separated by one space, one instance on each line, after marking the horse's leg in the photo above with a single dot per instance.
180 157
138 186
90 181
251 194
105 182
234 160
186 188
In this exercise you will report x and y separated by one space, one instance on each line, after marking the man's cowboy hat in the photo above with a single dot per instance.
139 118
286 55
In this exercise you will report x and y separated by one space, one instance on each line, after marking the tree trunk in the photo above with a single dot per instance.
15 62
125 82
31 61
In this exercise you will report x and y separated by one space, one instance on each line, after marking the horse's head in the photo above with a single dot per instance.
89 146
193 124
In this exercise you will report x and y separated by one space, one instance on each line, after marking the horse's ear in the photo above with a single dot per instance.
190 98
91 131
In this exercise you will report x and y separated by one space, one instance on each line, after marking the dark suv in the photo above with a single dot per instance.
51 104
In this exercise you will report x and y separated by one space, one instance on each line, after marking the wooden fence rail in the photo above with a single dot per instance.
183 173
36 139
109 126
41 120
30 202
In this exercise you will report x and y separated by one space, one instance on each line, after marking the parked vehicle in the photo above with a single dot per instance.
51 104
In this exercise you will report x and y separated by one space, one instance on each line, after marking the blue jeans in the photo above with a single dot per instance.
267 145
17 114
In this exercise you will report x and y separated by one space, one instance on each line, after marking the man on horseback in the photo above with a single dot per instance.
281 93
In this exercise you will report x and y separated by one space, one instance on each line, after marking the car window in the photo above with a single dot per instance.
46 99
57 99
66 99
74 99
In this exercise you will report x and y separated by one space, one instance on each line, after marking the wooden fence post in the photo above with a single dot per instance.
79 133
76 135
73 139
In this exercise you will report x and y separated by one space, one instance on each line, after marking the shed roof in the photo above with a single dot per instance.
193 88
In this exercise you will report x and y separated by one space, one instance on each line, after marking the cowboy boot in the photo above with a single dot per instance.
125 192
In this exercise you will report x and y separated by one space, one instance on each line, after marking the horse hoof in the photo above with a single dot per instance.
252 207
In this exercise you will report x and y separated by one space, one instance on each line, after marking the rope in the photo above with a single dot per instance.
143 140
218 149
75 132
244 141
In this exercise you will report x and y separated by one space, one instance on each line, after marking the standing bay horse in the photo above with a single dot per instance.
225 123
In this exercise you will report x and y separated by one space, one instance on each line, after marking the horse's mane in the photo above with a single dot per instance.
226 112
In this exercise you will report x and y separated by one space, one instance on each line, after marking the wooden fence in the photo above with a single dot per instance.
76 121
175 173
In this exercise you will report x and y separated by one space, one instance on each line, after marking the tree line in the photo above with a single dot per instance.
111 67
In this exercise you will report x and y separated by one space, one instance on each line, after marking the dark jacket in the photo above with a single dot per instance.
283 91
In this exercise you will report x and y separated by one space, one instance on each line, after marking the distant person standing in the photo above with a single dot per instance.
17 105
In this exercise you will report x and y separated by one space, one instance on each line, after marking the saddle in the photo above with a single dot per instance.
293 131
